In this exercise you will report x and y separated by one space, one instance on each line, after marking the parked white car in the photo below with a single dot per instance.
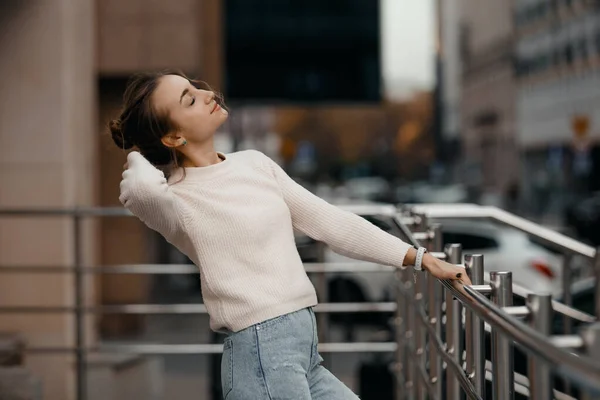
533 267
504 249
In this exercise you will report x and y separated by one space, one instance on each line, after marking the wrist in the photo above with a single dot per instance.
429 262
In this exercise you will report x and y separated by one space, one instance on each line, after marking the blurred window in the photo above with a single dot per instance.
584 301
582 50
470 241
569 56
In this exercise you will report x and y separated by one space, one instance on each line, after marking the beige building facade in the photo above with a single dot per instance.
63 65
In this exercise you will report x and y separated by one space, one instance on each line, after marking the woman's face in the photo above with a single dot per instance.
194 112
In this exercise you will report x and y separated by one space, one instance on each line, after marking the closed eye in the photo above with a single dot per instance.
193 100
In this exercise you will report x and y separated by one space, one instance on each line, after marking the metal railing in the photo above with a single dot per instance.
439 354
460 342
79 309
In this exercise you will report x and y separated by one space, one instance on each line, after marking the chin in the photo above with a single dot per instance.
223 115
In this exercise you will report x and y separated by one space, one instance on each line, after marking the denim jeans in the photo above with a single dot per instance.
278 360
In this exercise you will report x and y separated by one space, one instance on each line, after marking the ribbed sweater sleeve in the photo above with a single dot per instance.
344 232
145 192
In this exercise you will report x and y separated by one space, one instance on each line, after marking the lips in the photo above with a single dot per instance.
216 107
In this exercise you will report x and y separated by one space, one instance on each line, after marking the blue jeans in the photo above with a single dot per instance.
278 360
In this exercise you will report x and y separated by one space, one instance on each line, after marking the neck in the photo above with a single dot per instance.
200 156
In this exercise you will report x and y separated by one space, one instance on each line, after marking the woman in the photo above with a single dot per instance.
234 216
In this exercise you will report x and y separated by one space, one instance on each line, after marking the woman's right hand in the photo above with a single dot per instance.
443 270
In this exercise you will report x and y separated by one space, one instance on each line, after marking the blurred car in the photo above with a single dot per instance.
368 188
424 192
533 266
583 217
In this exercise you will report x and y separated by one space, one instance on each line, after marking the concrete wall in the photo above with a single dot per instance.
47 159
133 36
136 35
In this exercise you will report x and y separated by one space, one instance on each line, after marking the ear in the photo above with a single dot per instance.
172 140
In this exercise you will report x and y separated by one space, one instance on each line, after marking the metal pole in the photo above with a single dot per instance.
591 339
322 292
435 316
475 330
597 278
567 300
80 352
566 288
540 374
411 368
418 330
419 335
503 382
399 326
453 327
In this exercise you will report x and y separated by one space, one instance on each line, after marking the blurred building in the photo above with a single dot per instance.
558 103
392 140
449 51
488 131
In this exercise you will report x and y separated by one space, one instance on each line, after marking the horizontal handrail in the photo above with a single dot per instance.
153 348
581 369
432 210
558 306
66 212
202 348
186 269
190 308
547 235
362 209
522 384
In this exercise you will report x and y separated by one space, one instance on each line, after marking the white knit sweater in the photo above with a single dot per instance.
235 220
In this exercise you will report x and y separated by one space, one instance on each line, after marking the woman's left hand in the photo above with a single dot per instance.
443 270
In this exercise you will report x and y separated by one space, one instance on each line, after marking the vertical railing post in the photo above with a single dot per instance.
540 374
591 340
79 291
567 279
400 327
503 383
453 327
597 279
475 330
566 289
409 334
322 291
434 306
419 331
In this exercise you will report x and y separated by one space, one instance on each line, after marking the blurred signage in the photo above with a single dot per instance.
580 125
582 161
284 51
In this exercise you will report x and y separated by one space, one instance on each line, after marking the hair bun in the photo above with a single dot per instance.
118 135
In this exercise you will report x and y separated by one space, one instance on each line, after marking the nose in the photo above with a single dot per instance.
210 95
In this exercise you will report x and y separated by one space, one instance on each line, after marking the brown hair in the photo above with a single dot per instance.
141 126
